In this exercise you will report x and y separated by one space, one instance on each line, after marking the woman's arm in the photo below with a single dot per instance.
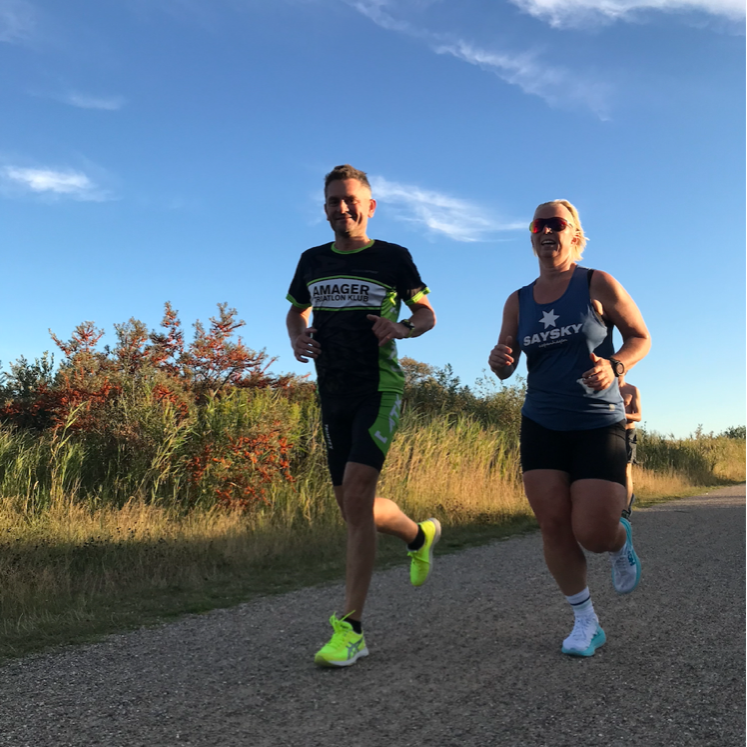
504 357
614 304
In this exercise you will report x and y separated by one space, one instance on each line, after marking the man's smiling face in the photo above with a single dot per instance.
348 206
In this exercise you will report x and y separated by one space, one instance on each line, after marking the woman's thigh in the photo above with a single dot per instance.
548 493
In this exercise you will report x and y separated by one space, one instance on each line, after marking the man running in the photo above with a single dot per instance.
354 286
632 400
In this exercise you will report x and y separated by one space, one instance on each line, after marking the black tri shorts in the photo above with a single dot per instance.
595 453
359 429
631 443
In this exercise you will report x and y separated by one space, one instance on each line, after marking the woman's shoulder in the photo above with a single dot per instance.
515 298
601 280
597 275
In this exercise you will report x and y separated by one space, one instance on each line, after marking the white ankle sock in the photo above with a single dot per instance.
581 604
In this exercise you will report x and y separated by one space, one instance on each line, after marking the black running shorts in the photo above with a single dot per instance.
596 453
359 429
631 442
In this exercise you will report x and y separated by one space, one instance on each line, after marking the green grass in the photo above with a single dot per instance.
77 565
209 577
65 621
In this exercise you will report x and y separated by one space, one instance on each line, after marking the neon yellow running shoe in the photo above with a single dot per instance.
422 559
344 648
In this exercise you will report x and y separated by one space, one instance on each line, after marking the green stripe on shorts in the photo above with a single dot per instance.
384 427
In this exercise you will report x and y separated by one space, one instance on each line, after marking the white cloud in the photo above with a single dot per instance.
375 10
84 101
51 183
455 218
524 70
556 85
17 21
569 13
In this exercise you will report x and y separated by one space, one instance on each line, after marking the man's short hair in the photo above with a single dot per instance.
346 171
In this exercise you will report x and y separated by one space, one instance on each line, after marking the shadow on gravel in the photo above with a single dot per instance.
96 596
71 593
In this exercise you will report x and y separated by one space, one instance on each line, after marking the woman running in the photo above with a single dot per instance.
573 452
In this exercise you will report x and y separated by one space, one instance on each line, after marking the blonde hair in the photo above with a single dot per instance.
580 236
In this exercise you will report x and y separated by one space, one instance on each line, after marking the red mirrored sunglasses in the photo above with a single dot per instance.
554 224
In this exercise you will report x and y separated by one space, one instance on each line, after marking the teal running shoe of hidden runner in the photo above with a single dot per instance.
628 512
626 568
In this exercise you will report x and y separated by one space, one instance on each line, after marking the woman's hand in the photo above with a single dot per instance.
601 376
501 356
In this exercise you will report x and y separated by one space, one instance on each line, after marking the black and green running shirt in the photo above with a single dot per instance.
342 288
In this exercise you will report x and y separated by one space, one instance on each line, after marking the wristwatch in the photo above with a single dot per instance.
407 323
617 367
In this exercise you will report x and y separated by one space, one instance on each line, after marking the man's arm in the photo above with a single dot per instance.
423 319
302 342
633 409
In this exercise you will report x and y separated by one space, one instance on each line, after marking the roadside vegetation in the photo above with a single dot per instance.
157 477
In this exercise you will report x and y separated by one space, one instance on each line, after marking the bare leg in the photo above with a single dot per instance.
597 505
629 481
356 499
364 514
390 519
549 495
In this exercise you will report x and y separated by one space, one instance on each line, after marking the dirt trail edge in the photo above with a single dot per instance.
471 658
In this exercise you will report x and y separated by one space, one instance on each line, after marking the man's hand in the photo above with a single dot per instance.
501 356
386 330
601 376
305 345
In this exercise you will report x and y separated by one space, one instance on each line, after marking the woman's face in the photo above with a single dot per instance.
556 245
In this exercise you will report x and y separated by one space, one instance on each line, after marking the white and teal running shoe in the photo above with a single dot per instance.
585 638
626 568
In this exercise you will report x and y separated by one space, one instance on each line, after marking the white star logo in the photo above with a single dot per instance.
548 318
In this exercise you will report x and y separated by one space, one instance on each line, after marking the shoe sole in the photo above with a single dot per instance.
436 537
629 538
322 662
597 641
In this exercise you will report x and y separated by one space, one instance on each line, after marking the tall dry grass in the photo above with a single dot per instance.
670 466
80 558
76 561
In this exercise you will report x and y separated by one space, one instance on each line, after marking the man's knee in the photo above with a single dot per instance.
358 493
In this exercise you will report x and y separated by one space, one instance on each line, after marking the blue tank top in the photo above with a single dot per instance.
557 339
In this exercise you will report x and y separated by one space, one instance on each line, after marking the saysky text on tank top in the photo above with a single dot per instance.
343 288
558 339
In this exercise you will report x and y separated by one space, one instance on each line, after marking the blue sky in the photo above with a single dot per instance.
174 150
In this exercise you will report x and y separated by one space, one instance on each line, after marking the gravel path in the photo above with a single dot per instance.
472 658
